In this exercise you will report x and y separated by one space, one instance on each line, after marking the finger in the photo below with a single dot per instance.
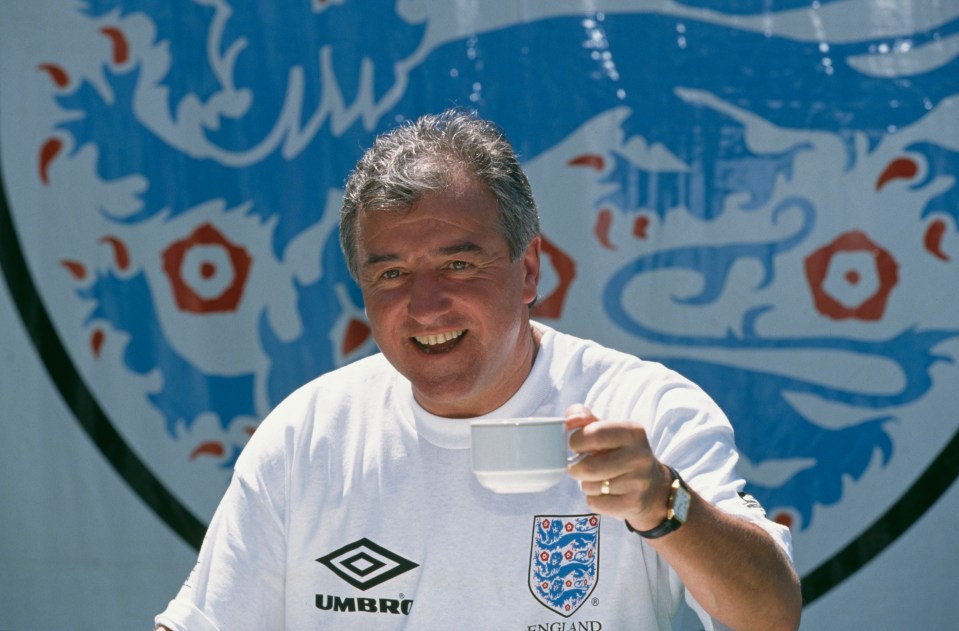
604 487
608 435
631 466
578 415
606 465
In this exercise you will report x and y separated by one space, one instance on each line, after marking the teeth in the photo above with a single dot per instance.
442 338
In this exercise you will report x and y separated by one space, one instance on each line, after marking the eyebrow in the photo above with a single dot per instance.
374 259
456 248
460 248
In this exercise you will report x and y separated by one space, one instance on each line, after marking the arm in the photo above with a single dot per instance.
754 588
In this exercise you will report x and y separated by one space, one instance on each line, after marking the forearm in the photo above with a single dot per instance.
733 569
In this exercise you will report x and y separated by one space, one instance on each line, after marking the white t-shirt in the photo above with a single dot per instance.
354 508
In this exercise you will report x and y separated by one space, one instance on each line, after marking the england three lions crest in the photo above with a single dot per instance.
564 560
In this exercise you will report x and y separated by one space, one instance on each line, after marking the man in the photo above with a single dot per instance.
354 507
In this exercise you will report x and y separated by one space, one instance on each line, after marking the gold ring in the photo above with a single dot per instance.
604 490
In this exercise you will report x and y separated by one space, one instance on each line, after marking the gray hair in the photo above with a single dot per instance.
427 155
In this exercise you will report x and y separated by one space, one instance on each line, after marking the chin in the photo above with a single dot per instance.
445 402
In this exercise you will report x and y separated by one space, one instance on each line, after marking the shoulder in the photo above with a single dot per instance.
338 385
328 405
588 360
617 384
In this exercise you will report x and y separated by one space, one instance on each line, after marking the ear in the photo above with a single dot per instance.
531 270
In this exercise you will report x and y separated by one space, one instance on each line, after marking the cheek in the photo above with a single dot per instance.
384 316
374 302
377 316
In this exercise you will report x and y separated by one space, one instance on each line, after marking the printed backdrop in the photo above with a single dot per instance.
762 195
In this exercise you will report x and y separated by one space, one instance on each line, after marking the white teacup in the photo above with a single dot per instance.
520 455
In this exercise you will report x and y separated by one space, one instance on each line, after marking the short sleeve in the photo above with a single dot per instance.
691 433
237 583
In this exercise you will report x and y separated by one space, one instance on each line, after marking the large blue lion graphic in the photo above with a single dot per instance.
278 100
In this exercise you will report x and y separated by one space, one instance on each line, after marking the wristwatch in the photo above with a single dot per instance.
677 509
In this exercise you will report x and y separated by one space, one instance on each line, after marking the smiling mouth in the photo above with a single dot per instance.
442 343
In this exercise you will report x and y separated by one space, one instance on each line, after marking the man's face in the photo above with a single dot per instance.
446 305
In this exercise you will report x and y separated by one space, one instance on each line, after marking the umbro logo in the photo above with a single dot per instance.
364 564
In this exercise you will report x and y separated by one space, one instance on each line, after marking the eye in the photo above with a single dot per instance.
390 274
459 266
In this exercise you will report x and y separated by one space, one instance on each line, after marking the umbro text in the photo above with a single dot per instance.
368 605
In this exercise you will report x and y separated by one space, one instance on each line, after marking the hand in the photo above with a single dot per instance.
620 477
754 589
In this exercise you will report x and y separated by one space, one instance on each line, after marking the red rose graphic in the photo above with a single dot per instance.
207 272
838 273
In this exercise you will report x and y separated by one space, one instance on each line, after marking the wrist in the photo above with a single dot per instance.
676 509
654 506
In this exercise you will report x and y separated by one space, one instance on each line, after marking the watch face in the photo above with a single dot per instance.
681 504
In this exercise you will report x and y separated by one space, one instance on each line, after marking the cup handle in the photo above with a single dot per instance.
572 456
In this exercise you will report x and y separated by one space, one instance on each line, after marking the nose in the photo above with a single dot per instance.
428 297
